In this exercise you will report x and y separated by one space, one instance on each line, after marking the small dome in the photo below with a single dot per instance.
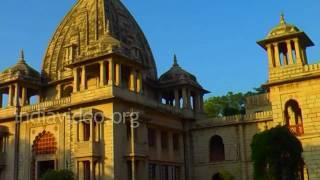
282 29
22 68
178 76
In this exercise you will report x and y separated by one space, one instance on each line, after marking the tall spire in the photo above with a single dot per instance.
175 60
21 57
282 19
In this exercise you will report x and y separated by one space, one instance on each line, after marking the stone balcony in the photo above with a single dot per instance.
88 149
3 159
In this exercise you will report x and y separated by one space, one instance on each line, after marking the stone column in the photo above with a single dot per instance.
277 54
16 95
177 98
91 139
103 74
185 98
133 81
59 91
75 80
92 169
24 96
289 49
81 170
10 95
111 72
118 75
139 82
270 56
298 51
83 78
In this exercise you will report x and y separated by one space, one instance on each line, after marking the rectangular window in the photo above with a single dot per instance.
152 171
176 142
86 131
164 140
152 138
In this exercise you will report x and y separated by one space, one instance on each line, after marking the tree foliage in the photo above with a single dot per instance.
58 175
229 104
277 154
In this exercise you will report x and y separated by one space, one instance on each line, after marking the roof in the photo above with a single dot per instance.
94 27
21 68
178 76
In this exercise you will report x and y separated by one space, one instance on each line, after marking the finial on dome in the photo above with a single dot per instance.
175 60
282 19
21 57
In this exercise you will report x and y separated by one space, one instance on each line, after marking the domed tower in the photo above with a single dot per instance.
181 89
19 83
286 45
97 44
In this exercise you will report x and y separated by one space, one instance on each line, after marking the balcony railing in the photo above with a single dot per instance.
296 129
46 104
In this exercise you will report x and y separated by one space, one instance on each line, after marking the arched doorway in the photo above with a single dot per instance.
216 149
43 154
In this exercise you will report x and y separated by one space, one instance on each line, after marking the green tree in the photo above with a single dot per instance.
229 104
276 154
58 175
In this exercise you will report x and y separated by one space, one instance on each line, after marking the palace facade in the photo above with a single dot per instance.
99 109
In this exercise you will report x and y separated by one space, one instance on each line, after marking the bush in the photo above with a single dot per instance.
58 175
276 154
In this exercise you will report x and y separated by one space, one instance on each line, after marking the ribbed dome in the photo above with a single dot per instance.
95 27
178 76
22 68
282 29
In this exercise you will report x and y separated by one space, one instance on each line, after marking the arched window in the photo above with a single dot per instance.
67 91
293 117
216 149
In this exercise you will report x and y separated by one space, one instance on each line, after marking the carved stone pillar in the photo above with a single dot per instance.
177 98
270 56
103 74
10 95
277 54
133 75
139 82
118 75
289 48
83 78
298 51
111 72
75 80
24 96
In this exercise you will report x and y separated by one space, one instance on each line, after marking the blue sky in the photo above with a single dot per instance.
215 40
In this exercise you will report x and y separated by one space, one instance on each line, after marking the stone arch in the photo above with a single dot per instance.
216 149
44 144
293 117
67 91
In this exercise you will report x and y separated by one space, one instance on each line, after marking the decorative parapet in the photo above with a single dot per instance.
294 71
46 105
260 116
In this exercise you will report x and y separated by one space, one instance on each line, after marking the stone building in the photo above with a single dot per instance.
99 109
